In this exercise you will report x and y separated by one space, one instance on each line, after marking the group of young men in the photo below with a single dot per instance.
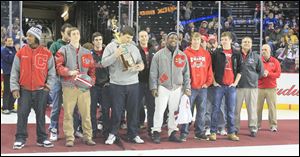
221 74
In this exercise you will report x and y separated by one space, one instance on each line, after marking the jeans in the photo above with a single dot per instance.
201 96
230 103
38 101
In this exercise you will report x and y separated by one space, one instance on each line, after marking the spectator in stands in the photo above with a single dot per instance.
288 57
291 38
32 84
269 19
188 8
68 67
151 35
252 70
274 38
168 85
203 28
7 57
267 88
181 42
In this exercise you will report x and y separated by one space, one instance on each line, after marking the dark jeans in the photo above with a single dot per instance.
230 103
100 94
200 95
144 92
8 99
38 101
125 96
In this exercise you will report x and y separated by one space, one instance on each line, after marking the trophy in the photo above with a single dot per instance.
126 56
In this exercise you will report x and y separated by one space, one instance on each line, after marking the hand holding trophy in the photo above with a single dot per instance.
122 51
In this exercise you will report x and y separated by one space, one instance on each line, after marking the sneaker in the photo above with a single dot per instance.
78 134
13 111
137 140
173 137
201 137
111 139
46 144
123 126
207 132
156 137
213 137
18 145
223 132
273 129
69 144
233 137
183 137
89 142
6 111
53 137
253 134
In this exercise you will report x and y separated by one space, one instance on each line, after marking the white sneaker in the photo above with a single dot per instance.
207 132
78 134
46 144
137 140
273 129
223 132
18 145
53 136
111 139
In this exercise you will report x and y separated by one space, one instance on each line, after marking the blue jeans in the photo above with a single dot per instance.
230 103
201 96
209 106
56 95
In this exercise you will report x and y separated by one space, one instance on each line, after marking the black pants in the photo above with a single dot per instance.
100 95
8 99
38 101
144 92
125 96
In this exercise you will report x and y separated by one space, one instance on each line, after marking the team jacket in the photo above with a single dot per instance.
169 71
200 67
69 58
32 69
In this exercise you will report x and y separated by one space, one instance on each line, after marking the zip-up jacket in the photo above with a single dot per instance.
169 71
102 74
219 62
32 69
7 58
69 58
273 66
252 69
144 74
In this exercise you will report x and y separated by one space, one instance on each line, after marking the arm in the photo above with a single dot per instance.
186 75
153 76
277 71
109 57
92 72
239 71
260 68
60 63
210 76
51 72
15 75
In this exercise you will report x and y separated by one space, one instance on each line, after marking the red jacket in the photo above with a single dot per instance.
273 66
32 69
200 67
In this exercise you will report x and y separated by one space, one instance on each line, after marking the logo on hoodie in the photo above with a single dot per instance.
87 60
179 60
163 78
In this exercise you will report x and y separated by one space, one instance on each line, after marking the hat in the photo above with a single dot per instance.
36 31
171 33
204 22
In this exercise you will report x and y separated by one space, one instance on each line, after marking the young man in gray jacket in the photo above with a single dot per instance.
169 76
252 69
124 84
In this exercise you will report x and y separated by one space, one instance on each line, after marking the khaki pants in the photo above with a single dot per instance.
250 97
71 97
270 95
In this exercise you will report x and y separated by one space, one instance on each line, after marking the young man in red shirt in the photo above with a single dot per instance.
267 87
201 78
227 70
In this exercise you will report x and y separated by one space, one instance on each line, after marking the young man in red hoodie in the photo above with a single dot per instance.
267 87
201 77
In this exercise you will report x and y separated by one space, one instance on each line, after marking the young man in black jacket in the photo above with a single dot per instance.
226 64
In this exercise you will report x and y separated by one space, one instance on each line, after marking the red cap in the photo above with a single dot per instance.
203 37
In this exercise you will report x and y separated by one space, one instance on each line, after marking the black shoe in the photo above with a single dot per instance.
253 134
156 137
201 137
173 137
